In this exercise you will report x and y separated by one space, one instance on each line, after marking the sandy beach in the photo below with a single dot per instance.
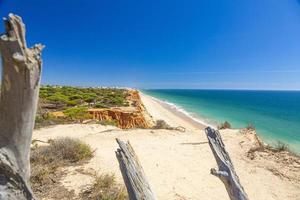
178 164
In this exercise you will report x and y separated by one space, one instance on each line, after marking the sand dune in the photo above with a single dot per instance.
178 164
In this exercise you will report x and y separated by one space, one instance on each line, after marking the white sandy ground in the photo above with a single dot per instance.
177 164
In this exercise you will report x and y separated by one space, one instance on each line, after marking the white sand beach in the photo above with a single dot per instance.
178 164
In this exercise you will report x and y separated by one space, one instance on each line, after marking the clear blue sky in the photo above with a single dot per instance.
253 44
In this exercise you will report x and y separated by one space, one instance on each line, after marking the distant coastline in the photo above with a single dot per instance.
270 136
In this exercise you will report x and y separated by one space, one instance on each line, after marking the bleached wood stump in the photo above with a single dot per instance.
226 170
18 103
133 174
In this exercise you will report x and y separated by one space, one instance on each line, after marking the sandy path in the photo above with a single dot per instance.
177 164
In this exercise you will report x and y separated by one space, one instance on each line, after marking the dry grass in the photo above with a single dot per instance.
280 149
63 150
250 127
46 162
225 125
104 187
161 124
280 146
109 122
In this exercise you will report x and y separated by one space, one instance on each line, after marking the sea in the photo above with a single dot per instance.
274 114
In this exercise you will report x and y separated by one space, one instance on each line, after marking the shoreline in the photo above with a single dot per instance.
177 164
198 122
181 112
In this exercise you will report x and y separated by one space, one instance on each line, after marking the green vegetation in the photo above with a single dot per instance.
74 103
108 122
47 119
79 113
65 96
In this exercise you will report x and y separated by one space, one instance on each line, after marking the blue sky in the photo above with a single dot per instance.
235 44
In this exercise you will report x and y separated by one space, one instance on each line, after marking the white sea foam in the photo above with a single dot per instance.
271 140
181 110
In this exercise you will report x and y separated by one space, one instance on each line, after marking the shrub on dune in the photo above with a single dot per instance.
161 124
225 125
280 146
104 187
60 152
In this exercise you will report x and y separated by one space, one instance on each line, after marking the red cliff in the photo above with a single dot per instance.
134 116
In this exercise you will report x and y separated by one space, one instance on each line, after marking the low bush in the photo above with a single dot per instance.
225 125
79 113
42 175
109 122
280 146
104 187
250 126
48 119
77 96
60 152
100 105
161 124
47 160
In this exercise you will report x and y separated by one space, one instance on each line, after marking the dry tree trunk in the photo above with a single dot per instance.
133 174
18 103
226 170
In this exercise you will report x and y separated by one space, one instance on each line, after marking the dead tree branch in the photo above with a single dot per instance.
133 174
226 170
18 103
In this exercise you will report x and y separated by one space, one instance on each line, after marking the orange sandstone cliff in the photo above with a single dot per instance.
134 116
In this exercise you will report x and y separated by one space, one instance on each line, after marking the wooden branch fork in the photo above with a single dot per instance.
133 174
226 170
18 103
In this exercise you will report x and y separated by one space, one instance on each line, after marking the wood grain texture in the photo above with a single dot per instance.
18 103
226 170
133 174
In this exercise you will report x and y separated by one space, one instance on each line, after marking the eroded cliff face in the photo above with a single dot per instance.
134 116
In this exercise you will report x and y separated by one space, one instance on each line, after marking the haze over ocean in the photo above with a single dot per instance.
275 114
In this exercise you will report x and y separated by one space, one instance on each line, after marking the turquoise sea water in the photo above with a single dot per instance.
275 114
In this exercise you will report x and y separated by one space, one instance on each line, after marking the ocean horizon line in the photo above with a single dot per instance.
224 89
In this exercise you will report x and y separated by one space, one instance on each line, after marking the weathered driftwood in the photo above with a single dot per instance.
18 102
133 174
226 170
